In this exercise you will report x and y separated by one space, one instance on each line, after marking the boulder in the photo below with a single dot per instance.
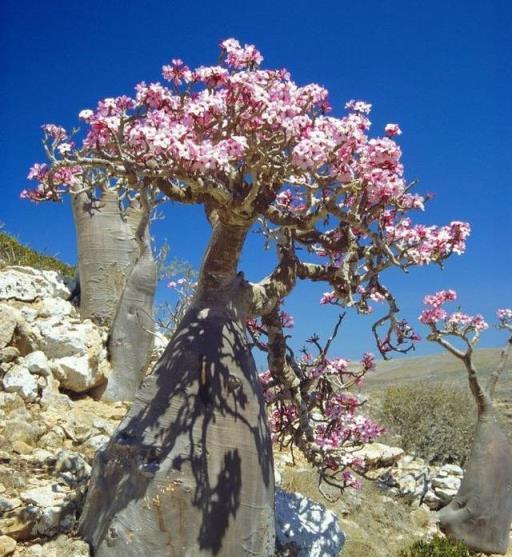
307 526
19 380
377 455
61 339
9 318
49 495
37 363
7 546
76 373
9 354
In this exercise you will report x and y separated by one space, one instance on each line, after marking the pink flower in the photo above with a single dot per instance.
368 361
38 172
57 132
241 57
328 297
392 130
177 72
440 298
504 314
86 115
359 106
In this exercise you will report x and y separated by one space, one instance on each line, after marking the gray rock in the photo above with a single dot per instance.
446 483
377 455
97 442
72 467
49 495
313 529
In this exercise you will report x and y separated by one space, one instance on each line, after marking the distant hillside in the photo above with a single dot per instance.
438 368
13 252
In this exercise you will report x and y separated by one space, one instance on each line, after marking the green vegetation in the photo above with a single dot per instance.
437 547
13 252
435 421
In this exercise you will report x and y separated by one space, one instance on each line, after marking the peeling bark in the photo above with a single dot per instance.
117 282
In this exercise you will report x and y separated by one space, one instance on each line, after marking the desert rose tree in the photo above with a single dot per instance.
481 513
116 268
189 470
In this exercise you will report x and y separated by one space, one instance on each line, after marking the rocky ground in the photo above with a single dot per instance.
50 428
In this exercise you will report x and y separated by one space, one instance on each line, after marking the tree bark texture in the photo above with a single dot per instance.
188 473
481 513
117 276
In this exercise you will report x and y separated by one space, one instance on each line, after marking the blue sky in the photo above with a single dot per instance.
441 69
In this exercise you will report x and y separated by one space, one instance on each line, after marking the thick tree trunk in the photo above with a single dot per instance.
117 285
481 513
189 471
131 337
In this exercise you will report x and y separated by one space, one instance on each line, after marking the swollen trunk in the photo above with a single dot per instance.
189 471
481 513
117 284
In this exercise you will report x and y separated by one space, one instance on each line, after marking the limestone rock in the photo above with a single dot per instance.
450 483
72 467
19 380
377 455
61 339
55 307
9 353
8 320
20 523
27 284
97 442
37 363
45 496
77 374
307 525
7 546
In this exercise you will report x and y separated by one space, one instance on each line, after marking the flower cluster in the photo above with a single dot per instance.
504 318
334 412
456 322
426 244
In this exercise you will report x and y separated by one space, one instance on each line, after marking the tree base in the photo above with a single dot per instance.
189 471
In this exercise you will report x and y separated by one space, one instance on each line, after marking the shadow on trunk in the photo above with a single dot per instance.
189 470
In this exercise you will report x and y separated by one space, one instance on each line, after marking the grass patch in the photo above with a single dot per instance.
13 252
437 547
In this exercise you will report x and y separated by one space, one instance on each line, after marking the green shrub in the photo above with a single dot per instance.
13 252
437 547
435 421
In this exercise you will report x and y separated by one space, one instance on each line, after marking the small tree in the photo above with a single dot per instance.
481 513
116 269
189 469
